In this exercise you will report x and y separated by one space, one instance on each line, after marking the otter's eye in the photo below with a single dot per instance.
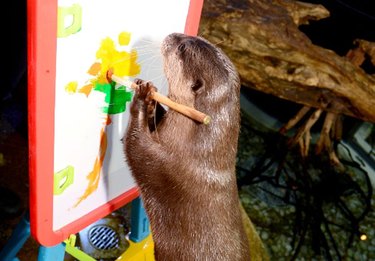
181 48
197 85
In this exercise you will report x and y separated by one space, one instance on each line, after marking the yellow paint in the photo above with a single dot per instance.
121 62
108 57
71 87
124 38
142 251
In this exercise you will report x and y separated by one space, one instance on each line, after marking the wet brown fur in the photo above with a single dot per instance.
186 170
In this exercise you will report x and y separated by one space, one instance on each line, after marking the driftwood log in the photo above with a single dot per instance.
273 56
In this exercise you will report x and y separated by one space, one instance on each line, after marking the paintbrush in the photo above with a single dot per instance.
183 109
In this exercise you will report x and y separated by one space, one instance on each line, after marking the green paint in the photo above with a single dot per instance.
62 13
116 98
63 179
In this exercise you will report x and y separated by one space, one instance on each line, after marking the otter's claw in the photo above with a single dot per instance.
144 92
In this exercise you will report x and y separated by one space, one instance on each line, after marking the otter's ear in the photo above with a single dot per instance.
197 85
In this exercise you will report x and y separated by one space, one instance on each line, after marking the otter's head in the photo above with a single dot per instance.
199 74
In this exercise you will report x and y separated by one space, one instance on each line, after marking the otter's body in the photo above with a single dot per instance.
186 170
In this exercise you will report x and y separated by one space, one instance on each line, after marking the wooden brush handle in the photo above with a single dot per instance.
183 109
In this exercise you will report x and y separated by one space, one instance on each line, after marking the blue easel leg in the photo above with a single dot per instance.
17 240
52 253
140 226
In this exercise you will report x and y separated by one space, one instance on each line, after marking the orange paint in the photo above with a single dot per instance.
94 69
108 121
86 89
94 175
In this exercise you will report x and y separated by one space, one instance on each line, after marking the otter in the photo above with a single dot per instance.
185 170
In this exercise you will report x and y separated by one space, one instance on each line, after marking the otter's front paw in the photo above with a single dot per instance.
144 93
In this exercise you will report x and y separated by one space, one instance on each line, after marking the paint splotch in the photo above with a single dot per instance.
94 175
109 56
71 87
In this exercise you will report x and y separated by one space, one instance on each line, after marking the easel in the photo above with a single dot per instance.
50 39
140 235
